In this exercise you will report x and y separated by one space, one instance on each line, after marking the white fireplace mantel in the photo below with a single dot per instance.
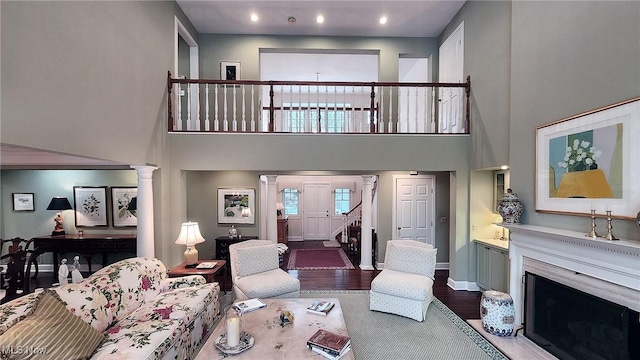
616 262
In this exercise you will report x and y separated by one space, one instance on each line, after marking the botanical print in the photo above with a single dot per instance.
236 206
90 205
122 212
594 158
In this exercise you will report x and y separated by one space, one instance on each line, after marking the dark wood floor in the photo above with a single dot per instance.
465 304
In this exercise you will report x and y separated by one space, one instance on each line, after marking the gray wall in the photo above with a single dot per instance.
487 50
567 58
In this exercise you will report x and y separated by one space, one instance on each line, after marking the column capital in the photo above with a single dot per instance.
368 179
271 179
144 171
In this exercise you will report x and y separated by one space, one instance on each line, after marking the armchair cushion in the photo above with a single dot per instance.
411 256
268 284
256 259
402 284
51 332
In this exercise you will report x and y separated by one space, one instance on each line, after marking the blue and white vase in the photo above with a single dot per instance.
510 208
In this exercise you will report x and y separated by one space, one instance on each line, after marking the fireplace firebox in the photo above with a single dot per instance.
572 324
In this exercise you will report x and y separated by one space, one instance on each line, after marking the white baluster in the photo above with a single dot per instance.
244 118
235 114
188 107
216 108
207 126
253 109
178 118
390 123
225 117
417 129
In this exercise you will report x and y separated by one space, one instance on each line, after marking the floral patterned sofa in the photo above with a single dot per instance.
141 313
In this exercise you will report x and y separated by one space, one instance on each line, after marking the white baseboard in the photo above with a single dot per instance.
462 285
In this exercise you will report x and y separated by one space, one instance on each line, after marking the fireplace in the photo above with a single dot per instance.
553 273
572 324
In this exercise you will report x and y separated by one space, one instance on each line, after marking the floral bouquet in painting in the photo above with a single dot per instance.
580 156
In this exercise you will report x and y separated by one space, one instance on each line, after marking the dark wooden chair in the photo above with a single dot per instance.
19 258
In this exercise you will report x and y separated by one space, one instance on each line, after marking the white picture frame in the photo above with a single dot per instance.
236 206
230 70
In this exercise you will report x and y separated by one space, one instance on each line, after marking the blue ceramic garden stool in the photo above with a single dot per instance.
497 313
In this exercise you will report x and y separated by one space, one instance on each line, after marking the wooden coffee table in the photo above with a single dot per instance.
272 341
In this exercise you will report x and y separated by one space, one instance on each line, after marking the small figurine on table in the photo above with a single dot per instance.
63 273
76 276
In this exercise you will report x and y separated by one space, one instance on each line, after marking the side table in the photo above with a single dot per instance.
209 274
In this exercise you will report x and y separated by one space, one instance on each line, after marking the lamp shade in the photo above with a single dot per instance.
189 234
246 212
279 206
59 203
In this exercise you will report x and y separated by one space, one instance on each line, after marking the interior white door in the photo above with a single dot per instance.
451 70
316 211
415 208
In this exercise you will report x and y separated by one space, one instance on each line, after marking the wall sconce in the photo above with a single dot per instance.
190 236
60 204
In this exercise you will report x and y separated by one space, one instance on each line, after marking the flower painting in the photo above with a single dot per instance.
236 206
586 162
90 205
122 211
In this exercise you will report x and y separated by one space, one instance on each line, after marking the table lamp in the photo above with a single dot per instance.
190 236
59 203
279 208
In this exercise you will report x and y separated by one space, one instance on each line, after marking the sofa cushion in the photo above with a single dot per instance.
268 284
156 326
88 303
402 284
256 259
51 332
16 310
139 278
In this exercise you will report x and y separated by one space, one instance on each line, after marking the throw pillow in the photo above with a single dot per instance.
50 332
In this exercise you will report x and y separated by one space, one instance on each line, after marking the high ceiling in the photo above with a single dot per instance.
426 18
342 18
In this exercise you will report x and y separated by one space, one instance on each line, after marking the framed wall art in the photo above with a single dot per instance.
589 161
121 214
236 206
90 204
23 202
230 70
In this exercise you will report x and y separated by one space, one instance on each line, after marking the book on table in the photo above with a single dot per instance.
246 306
331 343
206 265
321 307
328 355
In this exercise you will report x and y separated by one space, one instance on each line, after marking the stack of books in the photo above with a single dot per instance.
321 307
330 345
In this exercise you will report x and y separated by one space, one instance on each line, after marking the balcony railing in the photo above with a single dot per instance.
317 107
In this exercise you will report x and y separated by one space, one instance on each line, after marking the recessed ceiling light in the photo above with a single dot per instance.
254 17
320 19
504 167
291 20
383 20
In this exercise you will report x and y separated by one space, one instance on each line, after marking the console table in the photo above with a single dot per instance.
86 246
222 248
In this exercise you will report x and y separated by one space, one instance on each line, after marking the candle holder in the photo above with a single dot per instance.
609 235
593 234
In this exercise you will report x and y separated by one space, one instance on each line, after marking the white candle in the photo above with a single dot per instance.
233 332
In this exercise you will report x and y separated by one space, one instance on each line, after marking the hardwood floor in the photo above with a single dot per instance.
465 304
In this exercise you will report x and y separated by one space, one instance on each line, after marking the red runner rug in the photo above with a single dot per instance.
320 259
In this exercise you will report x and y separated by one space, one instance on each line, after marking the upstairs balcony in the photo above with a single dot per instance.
247 106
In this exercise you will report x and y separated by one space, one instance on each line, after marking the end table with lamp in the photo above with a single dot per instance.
208 273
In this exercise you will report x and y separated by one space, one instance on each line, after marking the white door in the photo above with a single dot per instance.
415 209
316 211
414 103
451 70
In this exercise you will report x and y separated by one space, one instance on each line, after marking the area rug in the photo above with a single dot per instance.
331 244
376 335
318 259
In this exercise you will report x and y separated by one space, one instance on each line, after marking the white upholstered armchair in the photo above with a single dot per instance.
255 271
405 286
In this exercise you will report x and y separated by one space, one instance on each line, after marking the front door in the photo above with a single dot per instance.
415 208
316 211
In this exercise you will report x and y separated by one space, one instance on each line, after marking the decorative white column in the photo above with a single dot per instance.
365 227
144 212
272 218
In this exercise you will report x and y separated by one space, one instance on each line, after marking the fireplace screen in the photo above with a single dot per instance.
572 324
